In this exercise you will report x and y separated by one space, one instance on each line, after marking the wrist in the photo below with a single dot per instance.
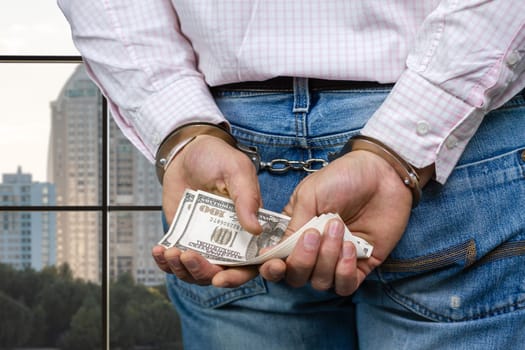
414 179
182 136
426 174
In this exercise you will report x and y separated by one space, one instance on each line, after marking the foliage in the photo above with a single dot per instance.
141 316
85 332
50 308
15 323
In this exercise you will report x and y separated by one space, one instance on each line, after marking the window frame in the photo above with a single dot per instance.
104 207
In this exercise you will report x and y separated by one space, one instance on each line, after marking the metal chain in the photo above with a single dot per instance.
279 166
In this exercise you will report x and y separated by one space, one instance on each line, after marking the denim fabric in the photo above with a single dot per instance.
456 280
445 277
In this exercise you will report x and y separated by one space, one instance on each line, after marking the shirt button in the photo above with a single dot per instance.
513 58
451 142
422 128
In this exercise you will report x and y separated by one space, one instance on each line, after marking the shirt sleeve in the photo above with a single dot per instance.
468 59
147 73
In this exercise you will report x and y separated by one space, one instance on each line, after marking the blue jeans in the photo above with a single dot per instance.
456 279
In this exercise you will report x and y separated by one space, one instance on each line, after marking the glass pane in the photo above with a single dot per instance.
50 135
132 177
50 295
34 27
132 235
141 315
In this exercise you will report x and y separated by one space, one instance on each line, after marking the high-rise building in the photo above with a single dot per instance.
133 182
27 239
75 166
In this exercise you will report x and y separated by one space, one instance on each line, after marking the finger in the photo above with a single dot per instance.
172 257
329 252
198 267
300 263
301 210
346 279
273 270
245 192
157 252
234 277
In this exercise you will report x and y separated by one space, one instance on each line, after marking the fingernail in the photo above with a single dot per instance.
275 273
175 263
311 241
191 264
348 250
335 229
220 282
159 259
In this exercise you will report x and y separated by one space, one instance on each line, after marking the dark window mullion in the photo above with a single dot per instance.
105 224
104 208
99 208
39 59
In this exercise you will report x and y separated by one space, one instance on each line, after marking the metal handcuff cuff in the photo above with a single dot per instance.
182 136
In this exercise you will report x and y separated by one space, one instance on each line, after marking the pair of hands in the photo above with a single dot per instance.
360 186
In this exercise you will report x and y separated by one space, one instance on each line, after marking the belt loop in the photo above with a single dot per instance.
301 100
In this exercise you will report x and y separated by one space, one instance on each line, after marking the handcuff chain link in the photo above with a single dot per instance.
278 166
281 165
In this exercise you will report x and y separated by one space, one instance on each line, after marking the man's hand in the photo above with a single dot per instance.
372 201
208 163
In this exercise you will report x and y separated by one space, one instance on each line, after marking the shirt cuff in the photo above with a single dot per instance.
424 124
185 101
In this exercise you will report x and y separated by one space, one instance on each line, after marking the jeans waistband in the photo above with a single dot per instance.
287 84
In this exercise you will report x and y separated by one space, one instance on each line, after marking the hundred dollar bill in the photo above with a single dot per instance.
208 224
213 229
179 219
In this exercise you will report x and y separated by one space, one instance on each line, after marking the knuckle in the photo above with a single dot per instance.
330 251
300 264
343 290
201 276
321 284
295 282
297 277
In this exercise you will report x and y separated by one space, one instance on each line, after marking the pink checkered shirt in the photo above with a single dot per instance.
452 61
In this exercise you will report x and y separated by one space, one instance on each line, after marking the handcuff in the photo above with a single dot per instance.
182 136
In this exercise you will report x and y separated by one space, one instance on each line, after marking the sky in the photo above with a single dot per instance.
30 27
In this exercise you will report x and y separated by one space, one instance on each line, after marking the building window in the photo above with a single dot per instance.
92 221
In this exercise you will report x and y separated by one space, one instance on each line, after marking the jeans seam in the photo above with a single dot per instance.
499 156
423 311
246 137
465 251
505 250
226 297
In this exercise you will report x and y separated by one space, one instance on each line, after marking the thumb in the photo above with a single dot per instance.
247 207
246 195
299 212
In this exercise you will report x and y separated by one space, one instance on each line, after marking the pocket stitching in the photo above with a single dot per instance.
225 296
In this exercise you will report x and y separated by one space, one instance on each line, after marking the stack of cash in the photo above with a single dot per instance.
208 224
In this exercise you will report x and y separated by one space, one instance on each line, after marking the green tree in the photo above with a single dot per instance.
15 323
86 328
50 308
141 316
60 299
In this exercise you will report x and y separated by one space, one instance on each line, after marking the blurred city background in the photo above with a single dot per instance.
80 206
